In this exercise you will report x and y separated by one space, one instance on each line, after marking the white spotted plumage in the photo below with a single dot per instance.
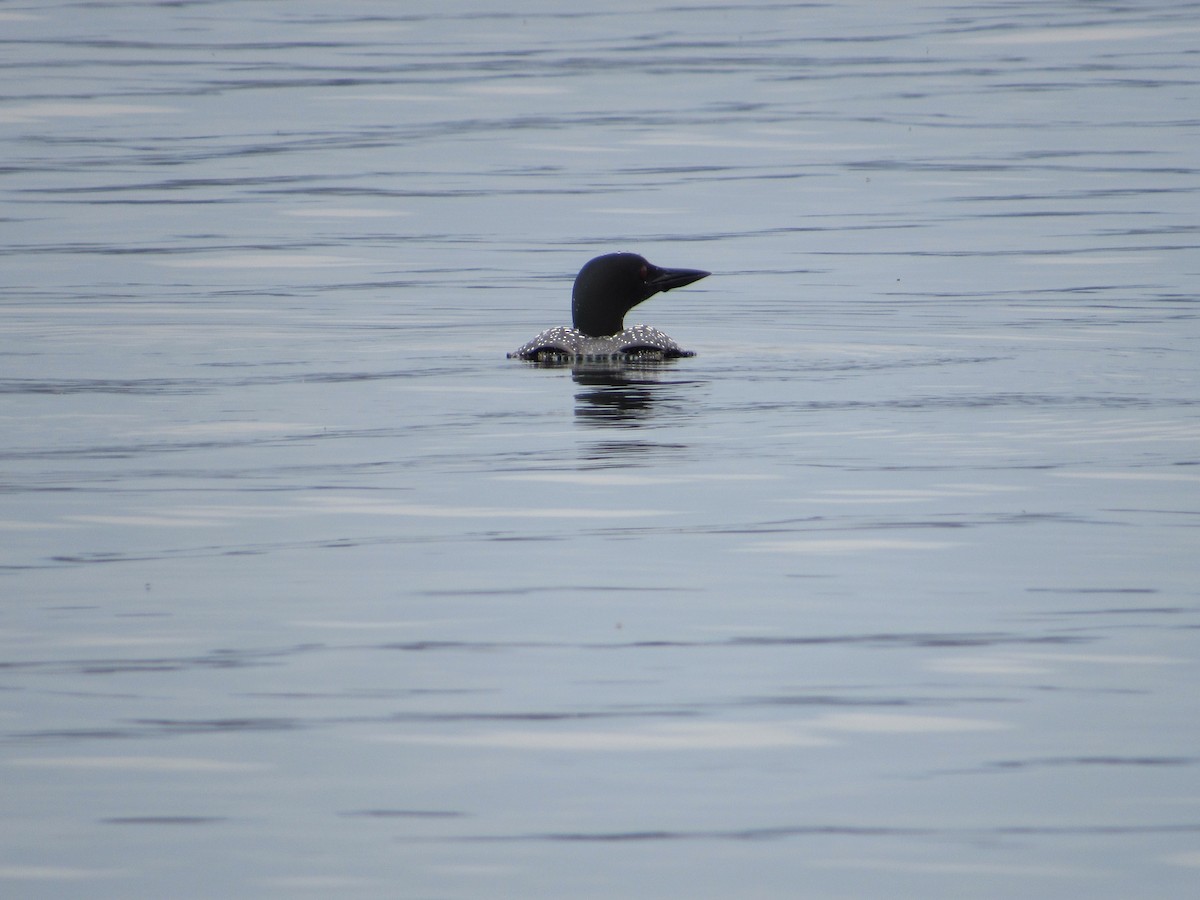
638 341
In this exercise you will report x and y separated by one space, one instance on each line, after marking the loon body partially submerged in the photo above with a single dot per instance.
605 289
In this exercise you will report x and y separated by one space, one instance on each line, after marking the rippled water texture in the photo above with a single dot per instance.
891 591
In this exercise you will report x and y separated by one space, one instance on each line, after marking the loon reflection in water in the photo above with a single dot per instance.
605 289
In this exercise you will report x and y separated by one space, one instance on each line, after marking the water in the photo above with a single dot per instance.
308 591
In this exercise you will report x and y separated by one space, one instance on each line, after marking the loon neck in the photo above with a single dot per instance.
596 322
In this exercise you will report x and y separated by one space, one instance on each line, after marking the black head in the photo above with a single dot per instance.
609 286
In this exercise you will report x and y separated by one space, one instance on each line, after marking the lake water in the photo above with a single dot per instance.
891 591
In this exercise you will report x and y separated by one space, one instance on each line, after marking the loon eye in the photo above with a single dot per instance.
645 272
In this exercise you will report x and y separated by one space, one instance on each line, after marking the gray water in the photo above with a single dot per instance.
891 591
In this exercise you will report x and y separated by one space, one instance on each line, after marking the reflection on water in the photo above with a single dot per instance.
629 396
890 590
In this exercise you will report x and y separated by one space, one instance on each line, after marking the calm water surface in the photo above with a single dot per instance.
891 591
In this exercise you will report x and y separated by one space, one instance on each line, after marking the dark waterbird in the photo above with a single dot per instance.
606 288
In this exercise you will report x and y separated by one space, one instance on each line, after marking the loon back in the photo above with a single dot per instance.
564 344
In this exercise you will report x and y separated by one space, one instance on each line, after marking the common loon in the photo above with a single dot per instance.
605 289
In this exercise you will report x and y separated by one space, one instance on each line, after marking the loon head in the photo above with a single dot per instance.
609 286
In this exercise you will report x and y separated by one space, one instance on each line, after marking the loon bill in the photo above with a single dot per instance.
605 289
